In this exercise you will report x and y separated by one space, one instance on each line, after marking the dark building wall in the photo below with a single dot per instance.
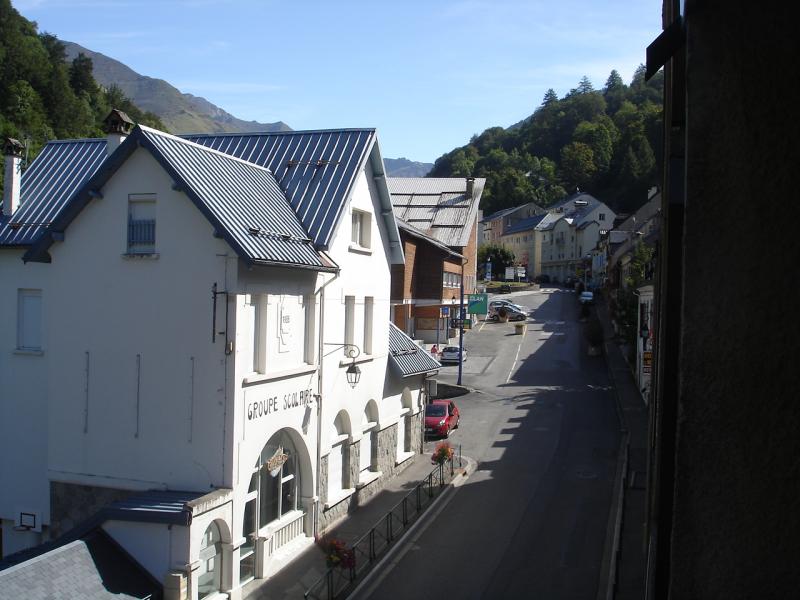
735 521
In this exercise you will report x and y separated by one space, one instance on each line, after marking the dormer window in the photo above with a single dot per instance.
141 223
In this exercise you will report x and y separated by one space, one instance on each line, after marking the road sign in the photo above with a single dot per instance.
445 311
488 270
477 304
456 323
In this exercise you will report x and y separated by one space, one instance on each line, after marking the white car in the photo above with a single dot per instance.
450 354
495 304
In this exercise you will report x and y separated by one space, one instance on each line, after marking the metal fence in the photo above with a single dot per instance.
338 582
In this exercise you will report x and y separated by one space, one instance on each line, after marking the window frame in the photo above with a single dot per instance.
142 246
29 320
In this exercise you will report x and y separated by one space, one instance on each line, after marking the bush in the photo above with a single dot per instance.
594 332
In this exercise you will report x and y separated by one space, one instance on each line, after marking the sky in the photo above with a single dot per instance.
427 74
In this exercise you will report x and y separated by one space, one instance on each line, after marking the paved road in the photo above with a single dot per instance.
531 521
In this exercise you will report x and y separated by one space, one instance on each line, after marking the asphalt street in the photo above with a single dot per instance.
531 521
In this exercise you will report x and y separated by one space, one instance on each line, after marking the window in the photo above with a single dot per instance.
349 322
275 484
337 458
209 578
601 216
141 223
29 320
361 228
369 303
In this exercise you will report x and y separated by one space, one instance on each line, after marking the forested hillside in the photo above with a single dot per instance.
605 142
44 97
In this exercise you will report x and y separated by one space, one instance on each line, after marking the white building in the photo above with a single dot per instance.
177 362
569 232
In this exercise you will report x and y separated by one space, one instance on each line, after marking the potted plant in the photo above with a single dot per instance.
443 452
502 314
337 554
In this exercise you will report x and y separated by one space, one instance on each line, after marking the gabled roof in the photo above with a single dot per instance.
421 235
524 225
241 200
575 209
316 169
61 168
439 206
406 356
500 214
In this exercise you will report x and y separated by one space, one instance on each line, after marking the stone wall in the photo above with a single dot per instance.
384 456
71 504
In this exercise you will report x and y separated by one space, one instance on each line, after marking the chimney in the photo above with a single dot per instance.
12 150
118 127
470 187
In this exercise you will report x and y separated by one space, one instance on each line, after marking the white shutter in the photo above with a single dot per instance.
365 454
335 470
401 435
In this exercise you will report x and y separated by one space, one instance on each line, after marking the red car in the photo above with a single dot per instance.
441 417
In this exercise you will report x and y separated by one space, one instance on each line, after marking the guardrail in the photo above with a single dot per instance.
337 582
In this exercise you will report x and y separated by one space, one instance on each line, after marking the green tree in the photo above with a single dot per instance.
577 165
80 75
499 256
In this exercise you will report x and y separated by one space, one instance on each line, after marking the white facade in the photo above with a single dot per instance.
147 381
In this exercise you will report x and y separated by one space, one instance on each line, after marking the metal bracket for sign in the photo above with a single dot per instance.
214 333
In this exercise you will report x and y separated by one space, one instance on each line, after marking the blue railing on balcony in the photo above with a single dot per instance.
141 235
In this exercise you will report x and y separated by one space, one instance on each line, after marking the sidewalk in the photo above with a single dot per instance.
633 414
293 580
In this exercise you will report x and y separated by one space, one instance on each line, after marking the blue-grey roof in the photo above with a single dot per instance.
499 214
407 356
241 200
94 567
155 506
524 224
61 168
316 169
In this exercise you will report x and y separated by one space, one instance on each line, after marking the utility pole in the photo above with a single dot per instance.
461 316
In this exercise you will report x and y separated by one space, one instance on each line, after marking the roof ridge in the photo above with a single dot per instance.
293 132
204 148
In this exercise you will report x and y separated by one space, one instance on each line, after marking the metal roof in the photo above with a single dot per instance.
407 356
316 169
46 186
241 200
524 225
419 234
439 206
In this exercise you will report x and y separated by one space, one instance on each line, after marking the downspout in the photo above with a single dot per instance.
320 356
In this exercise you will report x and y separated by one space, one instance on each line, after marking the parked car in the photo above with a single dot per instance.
586 298
450 354
505 288
495 304
441 417
514 313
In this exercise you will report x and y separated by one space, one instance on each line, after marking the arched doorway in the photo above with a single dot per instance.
274 509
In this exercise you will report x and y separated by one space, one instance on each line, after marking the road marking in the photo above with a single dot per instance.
513 364
482 326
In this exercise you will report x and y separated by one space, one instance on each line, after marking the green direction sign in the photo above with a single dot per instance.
478 304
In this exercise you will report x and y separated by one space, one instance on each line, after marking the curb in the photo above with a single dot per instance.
420 524
608 566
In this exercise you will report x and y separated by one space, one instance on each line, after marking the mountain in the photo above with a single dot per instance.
180 112
402 167
184 113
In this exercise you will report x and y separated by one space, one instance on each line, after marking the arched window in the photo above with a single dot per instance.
273 492
209 578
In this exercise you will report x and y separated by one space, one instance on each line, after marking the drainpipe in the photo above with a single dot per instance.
320 358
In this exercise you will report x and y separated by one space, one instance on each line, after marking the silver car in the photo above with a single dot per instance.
450 354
